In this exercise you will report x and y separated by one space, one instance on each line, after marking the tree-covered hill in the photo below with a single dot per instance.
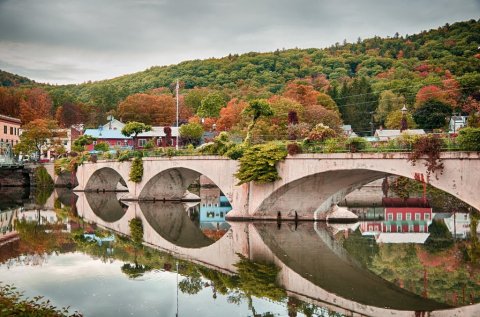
351 73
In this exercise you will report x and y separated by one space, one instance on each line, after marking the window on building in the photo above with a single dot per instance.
370 228
409 216
426 216
410 228
11 130
422 228
399 228
417 216
390 216
119 143
5 129
389 228
94 143
399 216
142 142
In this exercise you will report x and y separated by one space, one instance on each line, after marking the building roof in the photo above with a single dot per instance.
409 202
402 237
158 132
10 119
396 133
106 134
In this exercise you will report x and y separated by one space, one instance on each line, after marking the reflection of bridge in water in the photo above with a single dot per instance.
320 272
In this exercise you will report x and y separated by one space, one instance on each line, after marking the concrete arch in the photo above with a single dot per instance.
106 206
171 222
313 194
296 172
170 184
105 179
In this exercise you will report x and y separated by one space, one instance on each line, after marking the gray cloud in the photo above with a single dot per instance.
67 41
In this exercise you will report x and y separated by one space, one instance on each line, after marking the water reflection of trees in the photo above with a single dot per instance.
441 270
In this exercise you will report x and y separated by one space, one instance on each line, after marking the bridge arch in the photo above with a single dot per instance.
314 194
106 179
169 184
302 176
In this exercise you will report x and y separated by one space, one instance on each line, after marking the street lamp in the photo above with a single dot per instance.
404 123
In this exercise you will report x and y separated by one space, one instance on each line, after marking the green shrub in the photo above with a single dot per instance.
356 144
236 151
258 163
136 171
136 230
334 145
469 139
102 146
42 178
123 156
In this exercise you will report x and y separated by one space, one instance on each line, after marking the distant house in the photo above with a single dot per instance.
9 131
384 135
459 225
111 133
114 138
456 123
158 136
348 132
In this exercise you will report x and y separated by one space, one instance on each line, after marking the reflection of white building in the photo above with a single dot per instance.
7 219
43 217
459 225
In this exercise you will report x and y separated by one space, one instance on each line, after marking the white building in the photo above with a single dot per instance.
387 135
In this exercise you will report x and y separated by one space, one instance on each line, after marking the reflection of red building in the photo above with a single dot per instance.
412 215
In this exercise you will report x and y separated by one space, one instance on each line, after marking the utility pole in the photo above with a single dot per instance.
178 131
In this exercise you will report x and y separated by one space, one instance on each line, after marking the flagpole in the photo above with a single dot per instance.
177 116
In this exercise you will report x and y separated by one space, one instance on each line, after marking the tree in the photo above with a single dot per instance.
387 103
431 92
80 143
394 120
316 114
193 99
102 146
191 133
432 114
327 102
149 109
69 114
36 105
231 115
256 109
302 92
10 102
211 105
135 128
35 135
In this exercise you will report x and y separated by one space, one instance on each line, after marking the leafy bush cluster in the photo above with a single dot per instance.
429 148
13 303
469 139
42 178
136 170
136 230
258 163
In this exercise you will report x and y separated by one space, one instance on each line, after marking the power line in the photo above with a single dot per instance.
427 94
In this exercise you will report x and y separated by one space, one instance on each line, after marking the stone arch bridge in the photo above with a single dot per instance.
310 183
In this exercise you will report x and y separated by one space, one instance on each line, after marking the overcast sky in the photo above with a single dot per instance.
72 41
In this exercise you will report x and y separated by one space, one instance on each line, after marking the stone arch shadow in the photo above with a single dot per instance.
315 194
106 179
171 184
66 179
106 206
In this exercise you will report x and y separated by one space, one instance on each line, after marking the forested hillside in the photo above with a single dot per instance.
436 70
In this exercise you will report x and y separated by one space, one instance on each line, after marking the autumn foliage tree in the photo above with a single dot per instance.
36 104
149 109
10 102
302 92
69 114
35 135
231 115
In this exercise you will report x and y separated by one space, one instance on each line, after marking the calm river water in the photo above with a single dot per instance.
405 257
